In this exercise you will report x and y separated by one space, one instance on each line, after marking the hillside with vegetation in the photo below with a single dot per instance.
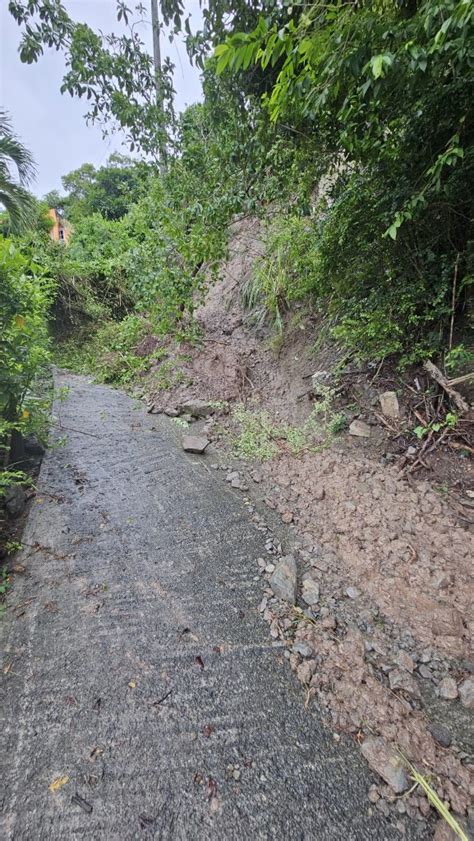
290 249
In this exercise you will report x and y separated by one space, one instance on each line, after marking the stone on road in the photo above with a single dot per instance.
142 696
195 443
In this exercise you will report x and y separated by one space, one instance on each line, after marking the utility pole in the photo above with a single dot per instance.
155 23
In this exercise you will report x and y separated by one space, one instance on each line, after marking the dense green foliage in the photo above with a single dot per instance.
348 127
110 190
384 89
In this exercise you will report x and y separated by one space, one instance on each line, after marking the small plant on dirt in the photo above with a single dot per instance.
256 435
168 375
183 424
338 423
9 478
458 358
12 546
5 584
449 422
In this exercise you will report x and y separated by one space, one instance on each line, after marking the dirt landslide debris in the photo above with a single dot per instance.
372 600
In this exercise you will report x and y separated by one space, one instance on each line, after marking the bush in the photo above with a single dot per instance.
288 272
25 298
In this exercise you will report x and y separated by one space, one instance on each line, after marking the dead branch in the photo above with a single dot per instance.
436 374
464 379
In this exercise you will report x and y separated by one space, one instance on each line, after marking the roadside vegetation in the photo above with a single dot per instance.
347 128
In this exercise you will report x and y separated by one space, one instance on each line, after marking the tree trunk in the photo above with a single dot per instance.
155 22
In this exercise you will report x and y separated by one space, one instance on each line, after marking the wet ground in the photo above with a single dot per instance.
142 696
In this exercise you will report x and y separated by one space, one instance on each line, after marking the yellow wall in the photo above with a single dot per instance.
61 230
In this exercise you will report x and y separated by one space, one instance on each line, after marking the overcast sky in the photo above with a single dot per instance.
52 125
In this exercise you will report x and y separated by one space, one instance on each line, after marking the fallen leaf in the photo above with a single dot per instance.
20 322
7 668
58 783
199 661
132 684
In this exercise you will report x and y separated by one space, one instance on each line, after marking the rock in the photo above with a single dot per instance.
194 444
306 670
425 672
302 648
310 592
373 794
33 446
329 623
383 759
318 494
197 408
399 679
466 693
359 429
283 580
319 378
15 501
470 819
270 568
287 517
171 412
443 832
440 734
389 404
447 622
405 662
239 484
448 689
352 592
383 807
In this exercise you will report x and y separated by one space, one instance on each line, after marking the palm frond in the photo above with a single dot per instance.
17 201
12 149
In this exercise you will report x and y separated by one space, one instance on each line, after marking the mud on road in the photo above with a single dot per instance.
142 696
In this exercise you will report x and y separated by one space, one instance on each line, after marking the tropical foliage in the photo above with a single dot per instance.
346 126
13 193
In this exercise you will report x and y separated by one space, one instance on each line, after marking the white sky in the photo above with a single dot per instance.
52 125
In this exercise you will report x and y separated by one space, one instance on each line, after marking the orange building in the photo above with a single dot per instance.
61 229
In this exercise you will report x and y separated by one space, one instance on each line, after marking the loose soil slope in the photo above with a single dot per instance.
392 659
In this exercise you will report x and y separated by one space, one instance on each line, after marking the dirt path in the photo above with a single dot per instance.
136 668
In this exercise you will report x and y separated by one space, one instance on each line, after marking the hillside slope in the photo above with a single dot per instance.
392 628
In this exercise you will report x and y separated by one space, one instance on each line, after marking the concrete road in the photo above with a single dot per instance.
139 680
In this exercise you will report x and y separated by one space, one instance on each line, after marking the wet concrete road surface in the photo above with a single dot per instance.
140 680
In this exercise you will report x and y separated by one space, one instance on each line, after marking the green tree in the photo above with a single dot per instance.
109 190
115 73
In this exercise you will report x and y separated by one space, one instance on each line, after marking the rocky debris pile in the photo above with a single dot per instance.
236 481
395 541
367 679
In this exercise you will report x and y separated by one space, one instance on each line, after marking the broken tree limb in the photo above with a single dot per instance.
457 398
464 379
